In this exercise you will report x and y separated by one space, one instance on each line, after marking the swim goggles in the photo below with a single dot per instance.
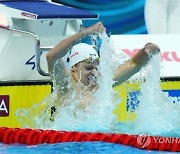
91 59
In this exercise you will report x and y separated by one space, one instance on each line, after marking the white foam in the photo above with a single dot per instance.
156 114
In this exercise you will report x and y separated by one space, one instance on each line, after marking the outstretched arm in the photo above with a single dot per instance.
62 48
133 65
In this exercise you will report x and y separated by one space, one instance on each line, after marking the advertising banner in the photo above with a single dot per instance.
168 43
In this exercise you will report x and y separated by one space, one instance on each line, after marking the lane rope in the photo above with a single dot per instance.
40 136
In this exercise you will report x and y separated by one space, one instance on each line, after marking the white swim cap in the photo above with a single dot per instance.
81 52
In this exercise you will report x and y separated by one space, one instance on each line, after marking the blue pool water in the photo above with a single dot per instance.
74 148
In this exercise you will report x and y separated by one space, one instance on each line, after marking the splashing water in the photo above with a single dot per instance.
104 97
155 114
99 117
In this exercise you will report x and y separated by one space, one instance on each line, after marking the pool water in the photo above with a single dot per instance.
73 148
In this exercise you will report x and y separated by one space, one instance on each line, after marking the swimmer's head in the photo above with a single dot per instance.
84 61
81 52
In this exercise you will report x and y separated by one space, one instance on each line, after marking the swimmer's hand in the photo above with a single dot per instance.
97 28
151 49
145 54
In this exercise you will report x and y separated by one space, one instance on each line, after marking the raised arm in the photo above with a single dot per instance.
133 65
62 48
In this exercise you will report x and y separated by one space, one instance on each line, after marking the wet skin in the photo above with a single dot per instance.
87 73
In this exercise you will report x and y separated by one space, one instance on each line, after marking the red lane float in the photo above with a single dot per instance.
39 136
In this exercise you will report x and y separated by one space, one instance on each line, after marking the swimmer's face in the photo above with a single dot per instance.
86 72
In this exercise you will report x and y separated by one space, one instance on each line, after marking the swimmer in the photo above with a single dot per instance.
83 60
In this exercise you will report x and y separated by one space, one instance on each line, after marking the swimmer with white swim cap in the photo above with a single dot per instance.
83 61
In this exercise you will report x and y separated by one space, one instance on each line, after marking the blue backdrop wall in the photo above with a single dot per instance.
118 16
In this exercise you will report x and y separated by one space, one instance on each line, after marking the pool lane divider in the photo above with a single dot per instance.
38 136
